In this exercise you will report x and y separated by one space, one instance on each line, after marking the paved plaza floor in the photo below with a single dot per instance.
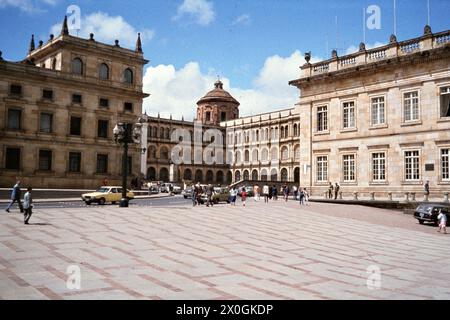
263 251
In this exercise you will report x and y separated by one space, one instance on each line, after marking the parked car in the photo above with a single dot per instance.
106 194
176 190
429 212
219 195
165 187
187 193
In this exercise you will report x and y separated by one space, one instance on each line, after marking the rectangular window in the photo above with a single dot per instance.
445 102
14 119
104 103
379 166
349 167
45 160
46 122
322 118
322 169
75 126
12 159
102 163
102 130
445 153
47 94
77 99
412 165
15 89
411 106
208 116
378 111
74 162
128 106
223 116
349 115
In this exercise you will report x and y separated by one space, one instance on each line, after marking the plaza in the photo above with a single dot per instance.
263 251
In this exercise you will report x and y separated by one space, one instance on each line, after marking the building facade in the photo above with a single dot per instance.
58 108
378 120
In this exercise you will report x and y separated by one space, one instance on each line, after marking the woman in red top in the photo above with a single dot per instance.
244 196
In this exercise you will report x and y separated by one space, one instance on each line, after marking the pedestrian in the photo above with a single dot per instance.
27 205
286 193
233 195
243 196
209 194
336 190
306 196
442 217
295 192
426 188
194 196
302 197
266 193
256 193
330 191
275 193
15 196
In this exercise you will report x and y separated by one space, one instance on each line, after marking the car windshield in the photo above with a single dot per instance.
426 208
103 190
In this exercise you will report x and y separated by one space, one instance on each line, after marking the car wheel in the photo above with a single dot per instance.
113 202
421 221
185 197
88 203
102 201
215 201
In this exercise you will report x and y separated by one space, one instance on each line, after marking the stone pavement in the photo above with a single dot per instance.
274 251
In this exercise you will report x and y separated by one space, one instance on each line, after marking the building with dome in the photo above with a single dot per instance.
259 148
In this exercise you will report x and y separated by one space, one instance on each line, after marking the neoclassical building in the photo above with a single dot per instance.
260 148
378 120
58 108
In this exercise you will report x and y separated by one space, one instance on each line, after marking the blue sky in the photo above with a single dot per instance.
256 46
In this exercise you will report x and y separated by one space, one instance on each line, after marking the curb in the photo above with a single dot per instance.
79 199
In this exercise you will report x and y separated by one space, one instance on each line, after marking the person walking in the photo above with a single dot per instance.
15 196
27 205
275 192
209 194
286 193
243 196
295 192
426 188
442 218
306 196
266 191
233 196
302 197
194 195
336 190
330 191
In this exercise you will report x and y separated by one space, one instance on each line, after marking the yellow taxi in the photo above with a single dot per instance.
106 194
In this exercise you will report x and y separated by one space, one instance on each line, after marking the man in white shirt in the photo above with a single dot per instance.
266 193
442 217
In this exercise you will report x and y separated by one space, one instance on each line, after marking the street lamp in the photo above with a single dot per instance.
126 133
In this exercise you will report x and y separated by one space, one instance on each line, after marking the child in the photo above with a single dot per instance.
243 196
442 217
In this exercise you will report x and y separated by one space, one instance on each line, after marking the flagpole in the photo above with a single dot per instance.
395 17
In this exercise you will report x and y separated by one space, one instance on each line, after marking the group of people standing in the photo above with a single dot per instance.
333 189
27 206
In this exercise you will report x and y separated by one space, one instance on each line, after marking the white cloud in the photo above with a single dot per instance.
28 6
353 48
176 92
201 11
108 28
244 19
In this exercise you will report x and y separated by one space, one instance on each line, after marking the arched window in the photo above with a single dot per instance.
264 155
237 176
187 174
103 71
164 174
151 174
219 176
229 177
151 152
286 132
161 133
257 135
246 175
273 175
164 153
284 175
284 153
209 176
297 153
255 175
247 156
167 133
255 155
263 175
282 132
297 175
128 76
295 130
77 66
199 175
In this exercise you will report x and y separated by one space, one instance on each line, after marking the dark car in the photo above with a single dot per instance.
429 212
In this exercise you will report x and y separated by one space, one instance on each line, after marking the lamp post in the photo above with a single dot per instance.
126 133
